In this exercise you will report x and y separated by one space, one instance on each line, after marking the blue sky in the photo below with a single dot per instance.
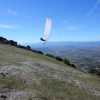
72 20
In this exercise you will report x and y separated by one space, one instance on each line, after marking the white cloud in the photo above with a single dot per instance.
15 13
92 10
11 12
71 28
65 21
89 13
68 20
97 3
26 16
7 26
69 25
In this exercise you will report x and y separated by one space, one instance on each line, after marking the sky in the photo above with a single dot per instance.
72 20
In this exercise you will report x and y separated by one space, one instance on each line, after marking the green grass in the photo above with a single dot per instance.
30 98
11 83
50 89
11 50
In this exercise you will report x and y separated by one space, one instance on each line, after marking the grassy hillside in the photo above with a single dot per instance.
25 75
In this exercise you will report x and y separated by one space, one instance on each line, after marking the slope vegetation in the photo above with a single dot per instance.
26 75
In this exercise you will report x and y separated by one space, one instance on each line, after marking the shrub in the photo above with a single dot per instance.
28 47
58 58
73 65
11 42
2 39
40 52
20 46
66 61
34 51
5 42
50 55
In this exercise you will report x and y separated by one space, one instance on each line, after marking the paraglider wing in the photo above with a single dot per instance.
47 29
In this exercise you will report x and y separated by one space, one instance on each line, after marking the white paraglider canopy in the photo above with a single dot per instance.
47 30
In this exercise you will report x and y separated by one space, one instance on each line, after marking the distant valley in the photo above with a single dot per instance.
85 55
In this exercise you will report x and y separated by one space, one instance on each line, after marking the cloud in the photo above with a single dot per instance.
97 3
14 13
71 28
7 26
92 10
25 16
68 25
65 21
68 20
11 12
89 13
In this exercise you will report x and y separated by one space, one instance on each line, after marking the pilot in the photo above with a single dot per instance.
42 39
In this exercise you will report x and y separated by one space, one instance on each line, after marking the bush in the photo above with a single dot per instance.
73 65
66 61
20 46
34 51
50 55
2 39
11 42
58 58
5 42
40 52
28 47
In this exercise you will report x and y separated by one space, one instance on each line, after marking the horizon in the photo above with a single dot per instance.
75 20
60 42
